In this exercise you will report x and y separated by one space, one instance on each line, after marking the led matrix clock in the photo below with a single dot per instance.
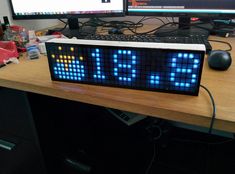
174 68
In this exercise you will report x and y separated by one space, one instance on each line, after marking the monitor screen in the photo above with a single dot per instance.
181 7
32 9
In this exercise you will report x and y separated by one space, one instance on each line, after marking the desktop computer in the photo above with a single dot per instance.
71 10
184 9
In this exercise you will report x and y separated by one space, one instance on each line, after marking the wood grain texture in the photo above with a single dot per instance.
34 76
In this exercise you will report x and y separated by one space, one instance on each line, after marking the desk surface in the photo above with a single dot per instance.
34 76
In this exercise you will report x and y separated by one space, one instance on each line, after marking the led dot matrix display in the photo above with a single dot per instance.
155 69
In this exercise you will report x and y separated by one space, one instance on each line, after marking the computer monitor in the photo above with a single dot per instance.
184 9
71 9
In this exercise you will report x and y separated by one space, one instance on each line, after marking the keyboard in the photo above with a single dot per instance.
197 39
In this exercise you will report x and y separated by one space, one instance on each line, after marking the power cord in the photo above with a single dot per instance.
227 43
213 106
152 131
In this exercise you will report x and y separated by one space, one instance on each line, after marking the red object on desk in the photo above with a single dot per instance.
8 50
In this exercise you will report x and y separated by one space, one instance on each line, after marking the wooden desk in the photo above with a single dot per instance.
33 76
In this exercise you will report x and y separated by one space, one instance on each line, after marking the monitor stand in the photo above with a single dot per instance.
183 29
74 30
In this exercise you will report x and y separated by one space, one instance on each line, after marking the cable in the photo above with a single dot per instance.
153 158
230 46
214 109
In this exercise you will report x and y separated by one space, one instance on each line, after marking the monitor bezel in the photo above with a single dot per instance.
59 16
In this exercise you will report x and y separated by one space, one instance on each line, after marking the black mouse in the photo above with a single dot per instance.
219 60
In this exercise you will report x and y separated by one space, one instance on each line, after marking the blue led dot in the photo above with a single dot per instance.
195 66
180 55
172 74
124 66
75 78
70 66
183 70
71 78
60 77
133 71
194 76
97 55
157 82
182 84
116 74
187 85
83 75
74 66
157 77
115 56
152 77
152 81
115 60
71 74
79 74
82 66
129 79
79 78
124 51
93 54
174 60
58 64
193 81
124 78
119 51
59 72
74 70
64 77
191 56
98 72
196 61
133 57
62 65
77 62
99 76
177 84
78 70
78 66
74 74
56 72
82 71
172 79
115 69
119 65
173 64
120 78
129 52
178 70
59 69
103 77
55 68
95 76
97 59
97 50
189 70
63 73
133 75
98 68
128 66
185 55
133 62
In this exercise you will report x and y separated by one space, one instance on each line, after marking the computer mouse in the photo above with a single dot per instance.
219 60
